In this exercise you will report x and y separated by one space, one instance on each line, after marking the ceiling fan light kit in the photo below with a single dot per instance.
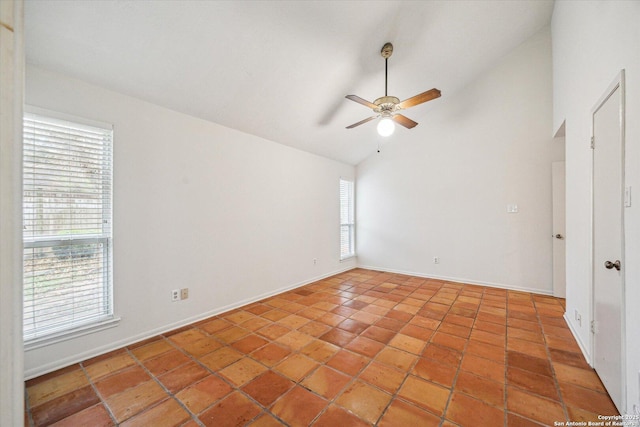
387 107
386 126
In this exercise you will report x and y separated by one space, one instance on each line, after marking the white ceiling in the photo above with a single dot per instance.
280 69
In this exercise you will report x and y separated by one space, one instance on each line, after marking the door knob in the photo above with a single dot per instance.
609 265
559 236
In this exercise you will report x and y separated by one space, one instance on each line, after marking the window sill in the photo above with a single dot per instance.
57 337
347 258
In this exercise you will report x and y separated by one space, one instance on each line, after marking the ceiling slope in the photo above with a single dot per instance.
279 69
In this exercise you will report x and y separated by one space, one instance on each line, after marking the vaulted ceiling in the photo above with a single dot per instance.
280 69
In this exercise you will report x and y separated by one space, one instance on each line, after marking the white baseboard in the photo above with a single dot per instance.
50 367
460 280
576 336
77 358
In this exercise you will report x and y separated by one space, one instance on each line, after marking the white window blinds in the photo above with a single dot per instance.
67 225
347 220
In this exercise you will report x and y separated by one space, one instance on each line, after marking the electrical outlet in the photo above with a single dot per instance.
436 260
184 293
315 261
175 295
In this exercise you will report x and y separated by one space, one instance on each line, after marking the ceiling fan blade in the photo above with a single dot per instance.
368 119
359 100
419 99
404 121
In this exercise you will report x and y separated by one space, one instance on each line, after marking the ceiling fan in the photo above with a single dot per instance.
387 107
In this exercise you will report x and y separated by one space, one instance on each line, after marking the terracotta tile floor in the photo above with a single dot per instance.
358 349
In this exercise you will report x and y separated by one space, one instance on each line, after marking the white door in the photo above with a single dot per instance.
559 266
608 260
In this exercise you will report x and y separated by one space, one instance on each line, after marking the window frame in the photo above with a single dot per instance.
38 337
349 221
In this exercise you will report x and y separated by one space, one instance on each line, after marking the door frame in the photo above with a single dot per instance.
618 83
554 243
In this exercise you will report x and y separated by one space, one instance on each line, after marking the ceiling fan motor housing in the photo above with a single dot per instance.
386 104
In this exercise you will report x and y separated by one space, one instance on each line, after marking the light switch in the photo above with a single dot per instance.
627 196
512 208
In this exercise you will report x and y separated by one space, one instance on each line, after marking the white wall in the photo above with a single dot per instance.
442 189
231 216
592 42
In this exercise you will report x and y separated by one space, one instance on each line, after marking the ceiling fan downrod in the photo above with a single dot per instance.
386 52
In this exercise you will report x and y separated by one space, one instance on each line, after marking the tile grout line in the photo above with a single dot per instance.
296 383
217 375
396 395
443 418
359 289
207 367
475 320
459 367
157 380
549 361
354 377
429 341
97 392
553 369
310 373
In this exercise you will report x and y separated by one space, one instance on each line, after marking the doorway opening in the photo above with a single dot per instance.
558 186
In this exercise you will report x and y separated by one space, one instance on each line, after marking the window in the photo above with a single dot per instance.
67 226
347 221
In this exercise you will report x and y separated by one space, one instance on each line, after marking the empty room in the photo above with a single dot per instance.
319 213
